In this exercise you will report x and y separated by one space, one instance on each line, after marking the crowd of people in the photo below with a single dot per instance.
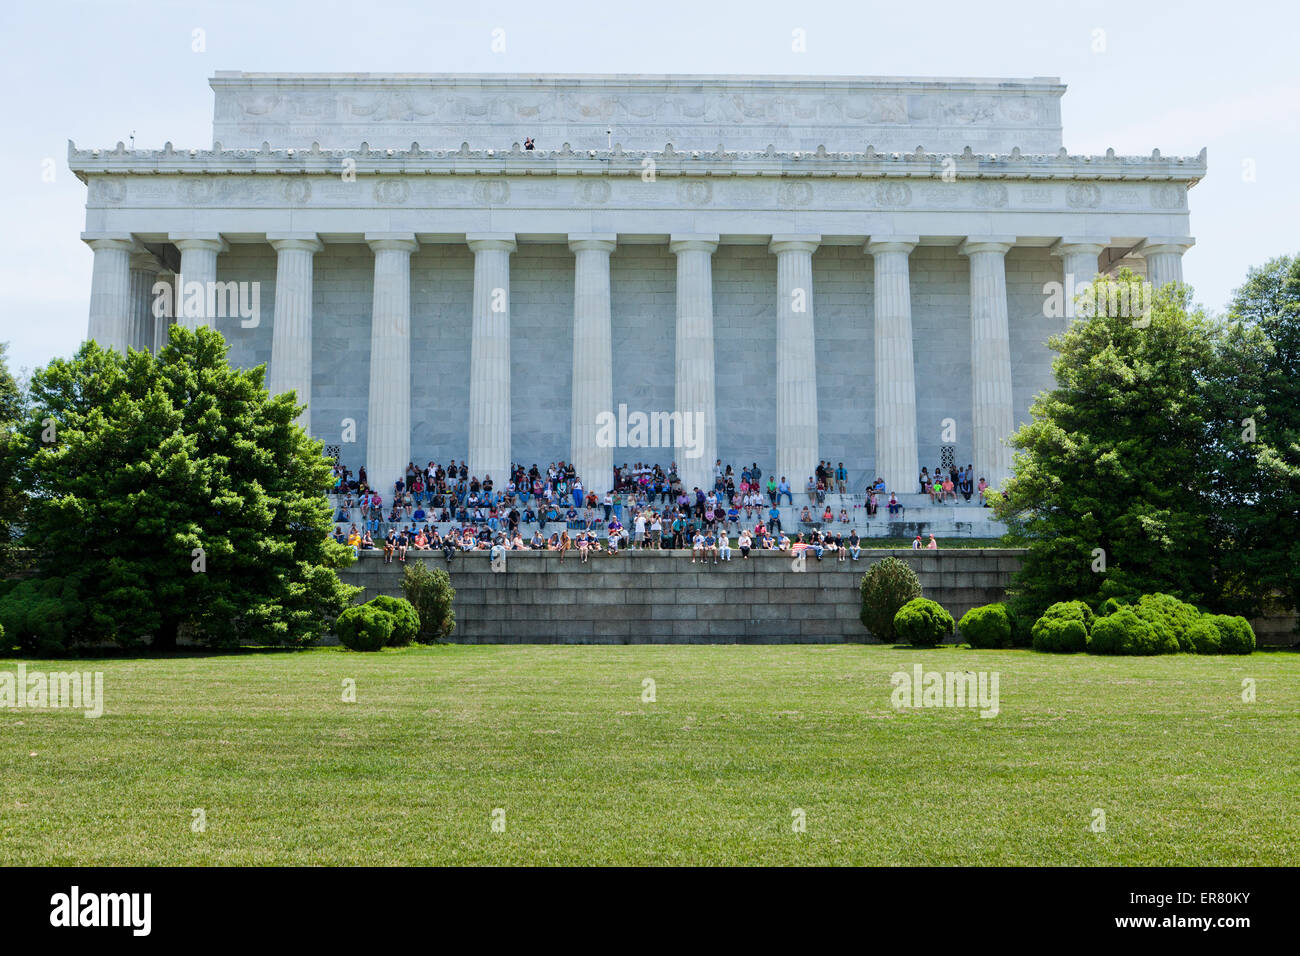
653 502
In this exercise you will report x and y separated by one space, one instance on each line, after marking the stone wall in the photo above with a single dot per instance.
661 597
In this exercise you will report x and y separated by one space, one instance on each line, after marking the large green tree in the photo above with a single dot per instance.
1258 501
11 500
175 493
1109 474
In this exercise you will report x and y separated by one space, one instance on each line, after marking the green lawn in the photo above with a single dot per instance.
558 737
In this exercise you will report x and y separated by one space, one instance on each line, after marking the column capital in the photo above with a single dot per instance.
904 244
998 244
391 241
693 242
306 241
1070 246
487 241
1176 245
121 241
794 243
207 241
599 241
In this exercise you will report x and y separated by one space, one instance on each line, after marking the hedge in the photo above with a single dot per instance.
364 628
1063 628
987 626
406 622
922 623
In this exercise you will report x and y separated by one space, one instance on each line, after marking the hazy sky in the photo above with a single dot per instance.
1170 75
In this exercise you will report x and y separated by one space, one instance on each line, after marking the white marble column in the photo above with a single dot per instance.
144 274
489 362
796 358
694 391
1164 258
194 284
110 290
896 440
992 414
593 358
388 421
291 331
1078 267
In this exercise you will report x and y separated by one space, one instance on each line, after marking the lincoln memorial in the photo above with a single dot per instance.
843 268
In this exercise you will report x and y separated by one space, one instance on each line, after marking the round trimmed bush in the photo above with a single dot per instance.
406 622
1167 611
922 623
1205 636
1236 636
886 587
364 628
1063 628
1125 633
987 626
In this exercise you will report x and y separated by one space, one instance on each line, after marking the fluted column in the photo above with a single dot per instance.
992 415
1164 258
489 361
1078 266
593 357
896 446
796 358
194 285
291 332
144 274
388 422
110 290
694 391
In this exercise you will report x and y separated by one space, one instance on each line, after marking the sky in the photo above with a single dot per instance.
1175 76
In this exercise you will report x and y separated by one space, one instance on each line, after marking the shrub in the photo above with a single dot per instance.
1167 611
885 588
406 621
1110 606
1236 636
364 628
922 623
987 626
431 594
1125 633
1063 628
1205 636
44 616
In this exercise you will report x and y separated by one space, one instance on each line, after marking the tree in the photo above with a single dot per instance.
180 494
1258 500
11 500
1108 487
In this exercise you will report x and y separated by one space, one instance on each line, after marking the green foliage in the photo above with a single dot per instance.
364 627
431 594
922 623
12 500
1236 636
1110 606
1167 610
187 494
1205 636
886 587
1063 628
406 622
987 626
45 618
1125 633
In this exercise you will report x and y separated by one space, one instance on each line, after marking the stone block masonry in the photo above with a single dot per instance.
660 597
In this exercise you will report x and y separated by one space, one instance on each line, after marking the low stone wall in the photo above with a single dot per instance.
658 597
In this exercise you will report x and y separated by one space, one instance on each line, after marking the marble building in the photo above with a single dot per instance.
849 268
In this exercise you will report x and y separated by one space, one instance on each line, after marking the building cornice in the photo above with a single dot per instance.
668 162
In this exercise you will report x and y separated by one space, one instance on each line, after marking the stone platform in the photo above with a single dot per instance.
660 597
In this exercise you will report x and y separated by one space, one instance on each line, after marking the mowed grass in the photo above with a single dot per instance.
711 772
